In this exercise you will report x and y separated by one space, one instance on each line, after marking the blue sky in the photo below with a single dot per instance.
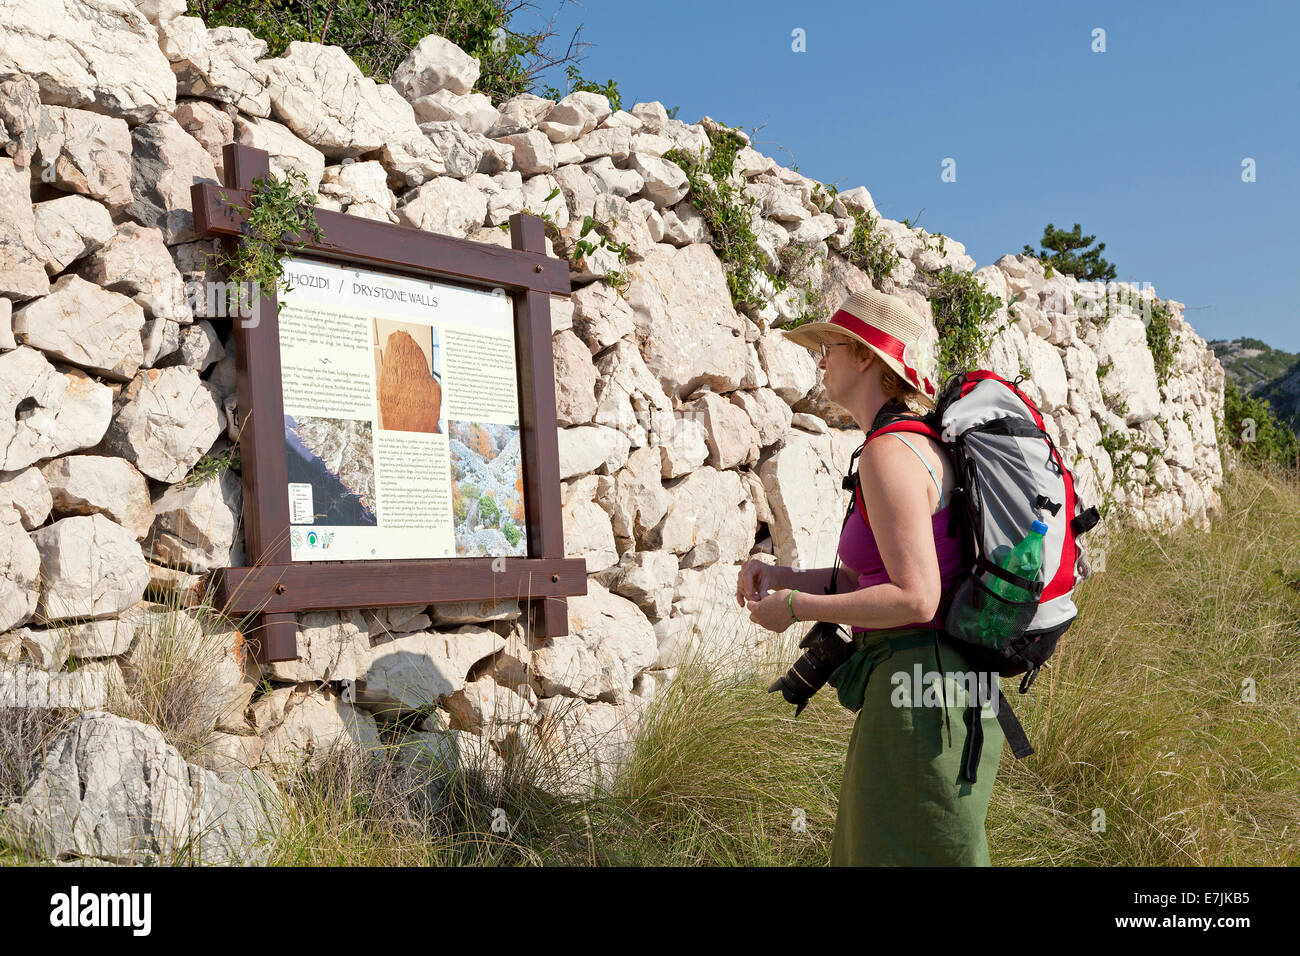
1142 145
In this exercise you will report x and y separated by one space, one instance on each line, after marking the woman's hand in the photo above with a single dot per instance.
756 578
772 612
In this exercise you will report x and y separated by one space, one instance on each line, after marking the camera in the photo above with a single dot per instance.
828 645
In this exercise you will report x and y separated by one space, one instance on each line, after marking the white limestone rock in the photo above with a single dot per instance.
113 789
166 162
628 396
639 501
195 524
728 431
22 254
26 492
588 533
608 179
165 420
408 672
575 380
533 152
45 412
435 64
472 111
609 643
20 570
87 153
70 227
288 153
445 205
218 64
300 724
802 482
135 262
102 55
91 567
692 335
664 182
709 519
95 484
585 448
358 189
81 323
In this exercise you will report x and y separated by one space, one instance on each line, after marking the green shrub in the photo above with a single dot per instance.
378 34
963 311
869 248
1161 340
512 532
487 508
1249 425
729 213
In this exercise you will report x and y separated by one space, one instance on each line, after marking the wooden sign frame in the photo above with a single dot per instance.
274 587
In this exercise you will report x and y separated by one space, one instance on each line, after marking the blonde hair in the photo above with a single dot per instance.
891 383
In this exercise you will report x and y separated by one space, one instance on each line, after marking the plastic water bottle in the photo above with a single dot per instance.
999 621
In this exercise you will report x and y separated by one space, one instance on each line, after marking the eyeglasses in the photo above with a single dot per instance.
827 346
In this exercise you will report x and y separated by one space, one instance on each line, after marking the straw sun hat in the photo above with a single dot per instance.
889 327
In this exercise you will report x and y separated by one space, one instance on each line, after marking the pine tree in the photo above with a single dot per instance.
1059 249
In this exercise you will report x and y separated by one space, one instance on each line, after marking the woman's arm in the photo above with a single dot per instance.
898 501
817 580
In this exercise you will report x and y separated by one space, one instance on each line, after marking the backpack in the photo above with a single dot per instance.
1009 472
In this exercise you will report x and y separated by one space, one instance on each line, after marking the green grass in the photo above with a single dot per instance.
1140 715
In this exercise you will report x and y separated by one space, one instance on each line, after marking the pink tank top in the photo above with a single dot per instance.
858 550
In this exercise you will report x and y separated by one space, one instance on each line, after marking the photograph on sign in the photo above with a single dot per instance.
401 417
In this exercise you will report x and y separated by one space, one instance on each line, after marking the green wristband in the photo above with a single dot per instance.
789 602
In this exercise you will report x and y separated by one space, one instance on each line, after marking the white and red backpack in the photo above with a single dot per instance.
1009 473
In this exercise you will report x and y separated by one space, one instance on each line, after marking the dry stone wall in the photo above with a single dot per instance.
693 435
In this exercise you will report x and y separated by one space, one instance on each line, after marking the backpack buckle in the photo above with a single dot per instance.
1028 679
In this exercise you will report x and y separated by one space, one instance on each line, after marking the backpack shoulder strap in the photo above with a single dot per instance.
917 426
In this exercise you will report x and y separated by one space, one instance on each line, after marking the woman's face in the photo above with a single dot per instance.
837 364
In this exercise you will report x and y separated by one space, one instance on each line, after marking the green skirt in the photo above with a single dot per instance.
903 801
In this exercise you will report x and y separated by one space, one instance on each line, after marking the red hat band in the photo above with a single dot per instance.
882 341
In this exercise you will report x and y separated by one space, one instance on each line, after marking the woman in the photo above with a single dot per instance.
903 800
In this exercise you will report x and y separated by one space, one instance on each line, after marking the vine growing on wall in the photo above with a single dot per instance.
730 214
279 214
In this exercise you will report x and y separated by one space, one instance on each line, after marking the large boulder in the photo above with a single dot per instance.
136 263
85 153
99 54
218 64
91 567
70 227
165 420
45 412
113 789
288 153
321 95
301 724
20 569
609 643
81 323
166 162
709 519
692 335
433 65
196 523
802 483
95 484
22 254
408 672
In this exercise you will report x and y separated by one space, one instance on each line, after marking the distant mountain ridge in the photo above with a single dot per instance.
1260 370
